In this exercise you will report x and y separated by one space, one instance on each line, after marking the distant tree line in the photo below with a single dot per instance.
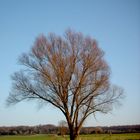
29 130
111 129
52 129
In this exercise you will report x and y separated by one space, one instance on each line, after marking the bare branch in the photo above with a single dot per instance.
69 73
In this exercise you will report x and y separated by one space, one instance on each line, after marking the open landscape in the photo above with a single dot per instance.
69 70
52 132
132 136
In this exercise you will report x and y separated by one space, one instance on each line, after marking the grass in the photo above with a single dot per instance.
112 137
133 136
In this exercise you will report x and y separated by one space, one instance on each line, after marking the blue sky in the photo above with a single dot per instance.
115 24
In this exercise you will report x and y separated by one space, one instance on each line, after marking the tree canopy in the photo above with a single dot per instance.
68 72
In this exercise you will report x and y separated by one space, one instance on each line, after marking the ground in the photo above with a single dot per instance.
133 136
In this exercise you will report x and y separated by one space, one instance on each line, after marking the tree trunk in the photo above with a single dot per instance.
73 134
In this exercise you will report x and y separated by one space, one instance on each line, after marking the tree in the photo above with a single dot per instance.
69 73
62 127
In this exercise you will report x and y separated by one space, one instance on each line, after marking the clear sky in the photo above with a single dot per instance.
115 24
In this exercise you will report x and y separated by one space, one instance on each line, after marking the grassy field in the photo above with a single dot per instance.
82 137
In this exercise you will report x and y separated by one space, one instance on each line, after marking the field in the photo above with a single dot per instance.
82 137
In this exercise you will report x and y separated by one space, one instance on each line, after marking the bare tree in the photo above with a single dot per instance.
62 128
69 73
